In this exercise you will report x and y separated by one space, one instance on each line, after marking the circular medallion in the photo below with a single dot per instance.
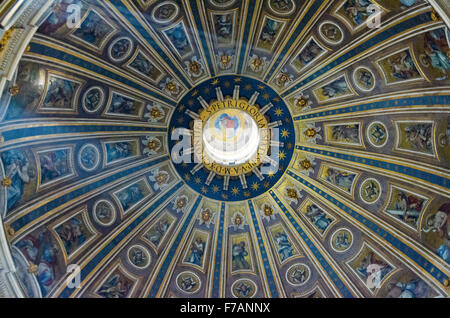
222 3
238 135
89 157
244 288
370 191
341 240
120 49
364 79
331 32
139 256
298 274
165 12
283 7
377 134
104 213
188 282
93 99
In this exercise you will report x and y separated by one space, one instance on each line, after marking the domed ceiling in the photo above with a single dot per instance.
111 128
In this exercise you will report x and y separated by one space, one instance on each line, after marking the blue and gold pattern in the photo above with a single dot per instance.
351 122
247 88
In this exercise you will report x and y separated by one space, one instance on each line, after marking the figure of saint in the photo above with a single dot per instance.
196 252
238 256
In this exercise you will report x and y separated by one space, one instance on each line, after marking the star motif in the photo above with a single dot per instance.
198 180
276 99
266 184
187 177
190 102
224 196
207 90
204 189
180 120
181 108
227 84
255 186
271 173
289 145
282 155
194 93
248 87
266 96
215 82
278 111
247 194
261 87
237 79
215 189
284 133
235 191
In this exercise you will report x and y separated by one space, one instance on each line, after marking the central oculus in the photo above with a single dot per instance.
231 136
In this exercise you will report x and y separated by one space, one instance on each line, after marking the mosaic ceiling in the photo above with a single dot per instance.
349 199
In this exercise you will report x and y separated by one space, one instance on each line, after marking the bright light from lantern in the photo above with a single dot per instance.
231 137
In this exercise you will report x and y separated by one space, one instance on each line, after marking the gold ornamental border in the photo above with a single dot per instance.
240 169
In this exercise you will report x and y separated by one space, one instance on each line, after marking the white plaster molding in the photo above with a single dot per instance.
23 17
442 7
